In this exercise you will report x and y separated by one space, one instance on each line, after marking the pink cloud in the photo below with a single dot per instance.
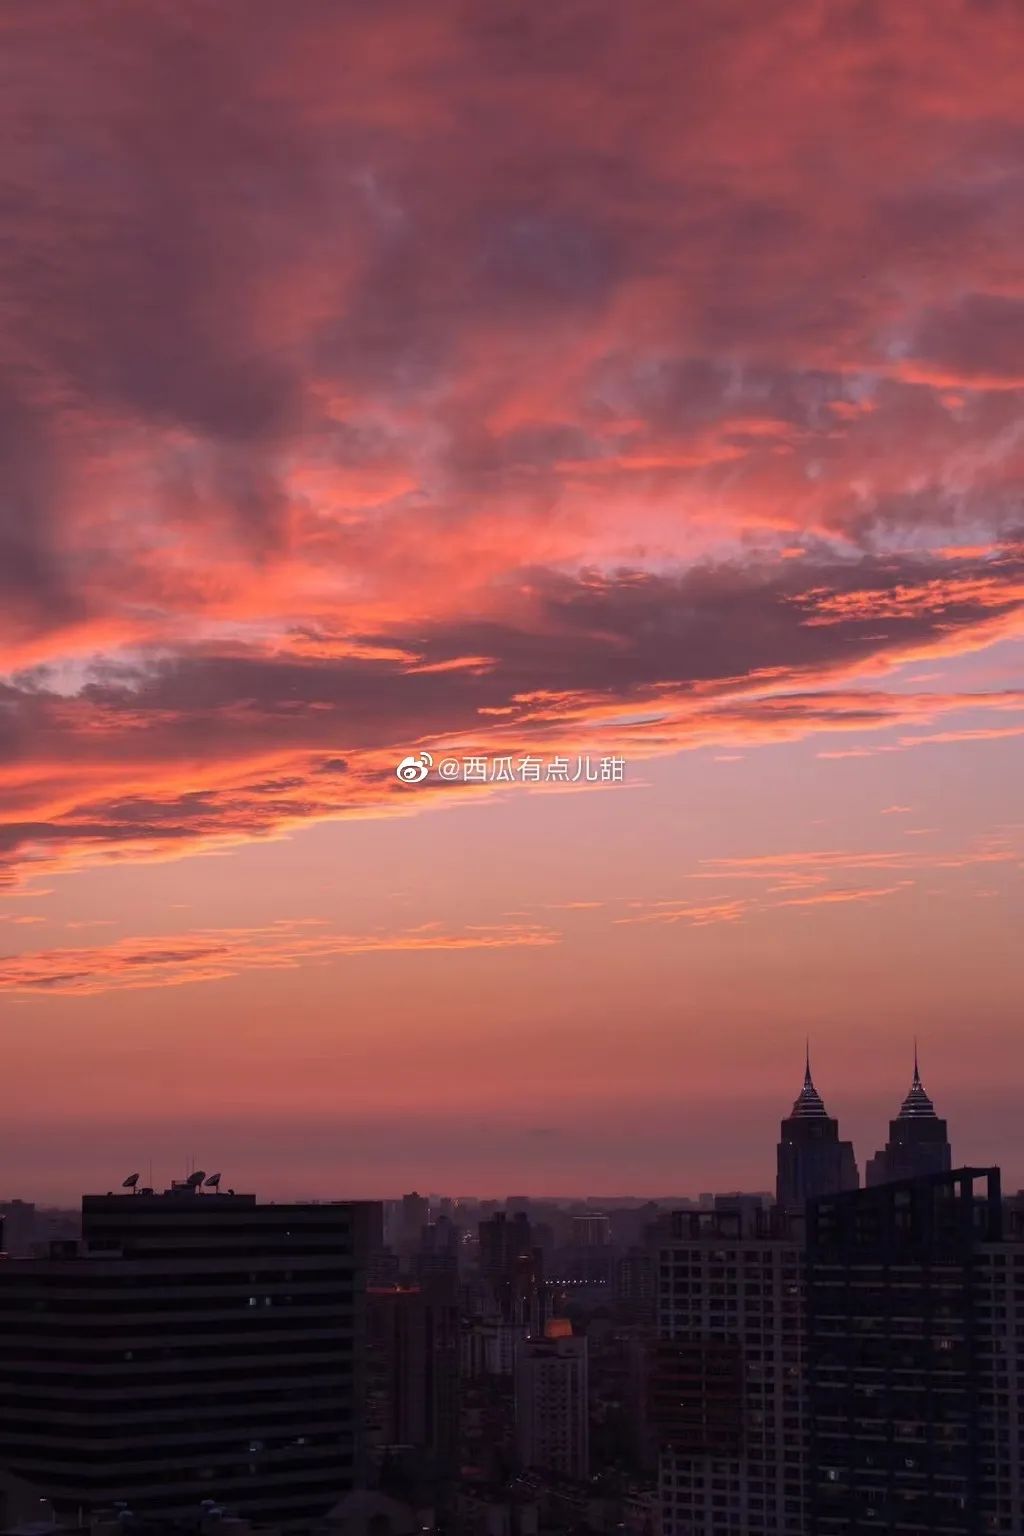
490 380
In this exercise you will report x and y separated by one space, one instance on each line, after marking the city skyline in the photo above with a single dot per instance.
588 384
916 1107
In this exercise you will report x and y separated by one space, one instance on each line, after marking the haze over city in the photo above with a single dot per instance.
635 383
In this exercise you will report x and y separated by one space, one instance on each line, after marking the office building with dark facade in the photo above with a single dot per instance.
915 1327
812 1160
918 1140
412 1380
195 1345
511 1265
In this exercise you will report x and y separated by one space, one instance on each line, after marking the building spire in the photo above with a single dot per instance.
808 1104
917 1105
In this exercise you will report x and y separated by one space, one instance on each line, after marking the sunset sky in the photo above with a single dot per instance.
497 377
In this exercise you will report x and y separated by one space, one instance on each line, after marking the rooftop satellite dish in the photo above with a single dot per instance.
213 1182
195 1179
131 1181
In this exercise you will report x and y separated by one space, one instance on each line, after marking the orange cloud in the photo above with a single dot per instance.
841 897
695 914
213 954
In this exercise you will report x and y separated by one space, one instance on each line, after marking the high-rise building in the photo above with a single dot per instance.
18 1226
726 1376
915 1317
552 1406
413 1368
193 1346
590 1231
412 1217
504 1240
812 1160
511 1267
438 1255
918 1140
999 1314
635 1292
